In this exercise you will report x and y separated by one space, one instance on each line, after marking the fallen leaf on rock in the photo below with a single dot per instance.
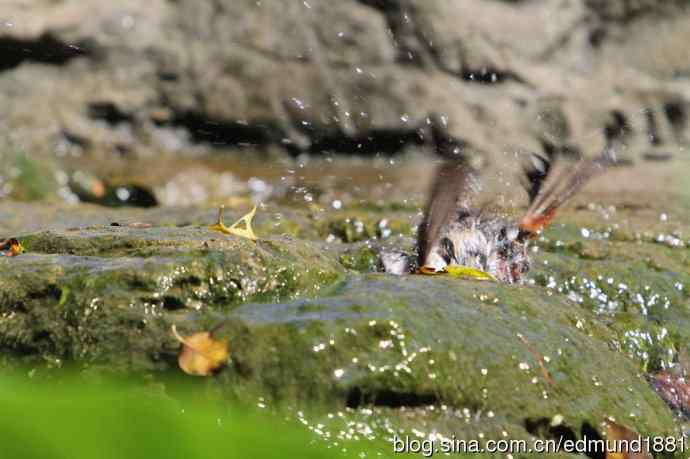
235 229
458 271
201 353
465 272
619 444
11 248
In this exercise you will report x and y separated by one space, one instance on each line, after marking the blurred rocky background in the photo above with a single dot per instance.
137 79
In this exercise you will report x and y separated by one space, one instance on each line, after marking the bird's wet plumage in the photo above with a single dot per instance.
455 232
486 243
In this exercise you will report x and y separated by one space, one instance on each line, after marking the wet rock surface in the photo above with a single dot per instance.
360 355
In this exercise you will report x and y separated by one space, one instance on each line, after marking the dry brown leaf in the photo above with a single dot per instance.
201 354
623 436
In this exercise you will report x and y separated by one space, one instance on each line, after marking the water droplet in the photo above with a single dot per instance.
127 22
123 194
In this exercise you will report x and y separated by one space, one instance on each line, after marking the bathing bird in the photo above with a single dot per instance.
457 236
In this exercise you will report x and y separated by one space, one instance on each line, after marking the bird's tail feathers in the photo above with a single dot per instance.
549 191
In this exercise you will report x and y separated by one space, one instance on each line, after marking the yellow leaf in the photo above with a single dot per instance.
11 248
201 354
465 272
235 229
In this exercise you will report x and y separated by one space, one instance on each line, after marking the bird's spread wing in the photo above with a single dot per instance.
549 191
451 190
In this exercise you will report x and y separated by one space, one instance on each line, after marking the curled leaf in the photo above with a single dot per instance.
201 354
235 229
11 248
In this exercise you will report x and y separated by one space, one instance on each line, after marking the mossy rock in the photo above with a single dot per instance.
640 289
439 355
390 353
312 331
108 294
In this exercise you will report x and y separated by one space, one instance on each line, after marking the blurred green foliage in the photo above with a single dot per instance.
72 419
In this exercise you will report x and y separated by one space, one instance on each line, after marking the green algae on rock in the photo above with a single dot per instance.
640 288
362 259
441 351
100 295
395 344
364 226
